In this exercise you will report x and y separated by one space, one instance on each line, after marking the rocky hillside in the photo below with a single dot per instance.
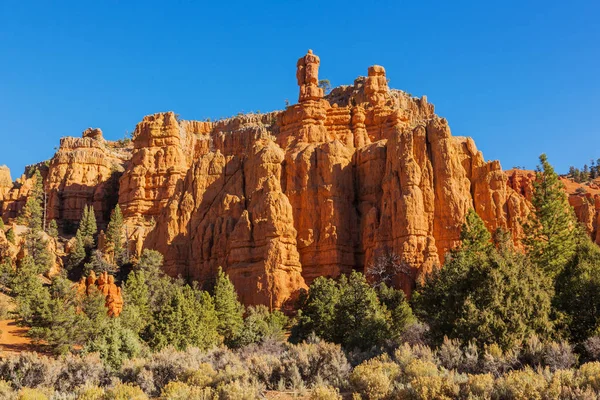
277 199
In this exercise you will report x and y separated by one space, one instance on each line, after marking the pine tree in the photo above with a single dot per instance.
31 215
229 310
585 174
489 296
551 230
10 236
53 229
114 233
474 235
88 227
31 297
360 320
188 318
78 254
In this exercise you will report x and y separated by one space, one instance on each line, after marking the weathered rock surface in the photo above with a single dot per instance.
104 284
84 171
320 188
278 199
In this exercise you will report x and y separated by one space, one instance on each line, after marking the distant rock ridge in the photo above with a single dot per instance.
278 199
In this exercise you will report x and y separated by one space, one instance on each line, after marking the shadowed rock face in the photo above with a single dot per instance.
278 199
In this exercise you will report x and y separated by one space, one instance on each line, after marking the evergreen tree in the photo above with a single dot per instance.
53 229
261 325
551 230
401 313
360 319
78 253
577 296
114 234
32 213
10 236
316 314
484 294
58 323
88 227
187 319
31 297
474 235
585 174
348 312
136 298
230 311
37 247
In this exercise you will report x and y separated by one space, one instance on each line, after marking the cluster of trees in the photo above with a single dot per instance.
488 302
587 173
490 293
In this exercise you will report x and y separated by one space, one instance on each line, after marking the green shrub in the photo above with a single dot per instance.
91 393
496 361
182 391
6 390
406 353
588 376
559 356
419 368
319 362
434 387
375 378
323 392
201 377
32 394
522 384
28 370
76 371
479 386
124 391
239 390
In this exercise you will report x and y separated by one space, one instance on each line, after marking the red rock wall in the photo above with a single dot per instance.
320 188
279 199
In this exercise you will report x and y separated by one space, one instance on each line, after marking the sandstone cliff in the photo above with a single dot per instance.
278 199
317 189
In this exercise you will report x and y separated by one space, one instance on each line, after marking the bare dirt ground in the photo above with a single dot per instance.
13 339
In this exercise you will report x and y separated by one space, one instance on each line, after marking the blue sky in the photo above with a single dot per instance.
520 77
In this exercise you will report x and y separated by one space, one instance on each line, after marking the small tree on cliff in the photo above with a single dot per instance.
78 254
32 213
114 233
88 227
52 229
485 294
230 312
551 230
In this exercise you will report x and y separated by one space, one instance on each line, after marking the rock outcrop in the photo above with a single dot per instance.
321 188
104 284
84 171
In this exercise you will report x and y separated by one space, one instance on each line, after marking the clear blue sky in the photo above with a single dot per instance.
520 77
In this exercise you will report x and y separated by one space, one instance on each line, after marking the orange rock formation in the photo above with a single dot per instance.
278 199
317 189
105 284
